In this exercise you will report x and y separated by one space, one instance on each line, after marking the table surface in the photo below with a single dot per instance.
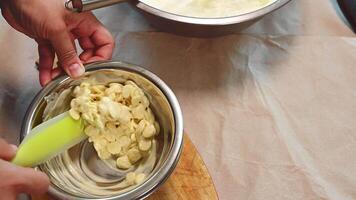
271 109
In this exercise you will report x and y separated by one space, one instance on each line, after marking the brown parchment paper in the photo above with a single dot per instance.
271 110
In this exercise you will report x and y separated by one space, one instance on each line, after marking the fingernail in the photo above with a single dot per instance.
13 147
76 70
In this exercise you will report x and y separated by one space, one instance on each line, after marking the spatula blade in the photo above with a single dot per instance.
49 139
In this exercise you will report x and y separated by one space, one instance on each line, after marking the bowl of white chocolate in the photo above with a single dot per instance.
205 18
134 128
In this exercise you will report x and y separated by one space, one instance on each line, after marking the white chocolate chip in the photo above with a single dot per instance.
138 112
104 154
74 114
149 131
144 145
131 178
109 137
134 155
127 91
141 125
114 147
136 100
140 178
124 141
91 131
100 143
123 162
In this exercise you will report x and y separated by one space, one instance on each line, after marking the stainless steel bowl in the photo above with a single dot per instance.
164 105
184 25
203 27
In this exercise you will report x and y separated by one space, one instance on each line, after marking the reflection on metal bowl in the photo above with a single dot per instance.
78 173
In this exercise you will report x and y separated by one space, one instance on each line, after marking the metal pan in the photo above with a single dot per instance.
184 25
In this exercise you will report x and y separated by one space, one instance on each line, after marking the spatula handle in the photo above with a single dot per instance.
85 5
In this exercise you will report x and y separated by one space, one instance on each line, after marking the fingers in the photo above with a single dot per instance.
46 53
95 40
63 45
104 43
32 182
16 179
88 48
7 151
8 193
23 180
56 72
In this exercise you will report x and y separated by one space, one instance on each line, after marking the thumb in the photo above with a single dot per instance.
67 55
7 151
23 179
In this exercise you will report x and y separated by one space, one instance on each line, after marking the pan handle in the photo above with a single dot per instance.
85 5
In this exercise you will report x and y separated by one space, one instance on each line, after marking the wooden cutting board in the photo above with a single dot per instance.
190 179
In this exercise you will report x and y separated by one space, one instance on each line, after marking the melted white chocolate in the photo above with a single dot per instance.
208 8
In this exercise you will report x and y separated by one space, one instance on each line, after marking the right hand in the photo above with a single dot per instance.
55 29
14 179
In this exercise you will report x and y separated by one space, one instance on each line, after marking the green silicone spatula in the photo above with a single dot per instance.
49 139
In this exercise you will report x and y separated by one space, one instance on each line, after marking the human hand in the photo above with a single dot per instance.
55 29
16 180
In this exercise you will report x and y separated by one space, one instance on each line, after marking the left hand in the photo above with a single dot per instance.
15 180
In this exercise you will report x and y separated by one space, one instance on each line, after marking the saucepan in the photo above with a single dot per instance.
184 25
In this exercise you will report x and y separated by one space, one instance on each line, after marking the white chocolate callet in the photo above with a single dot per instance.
136 100
104 154
149 131
91 131
124 141
141 125
114 110
100 142
114 147
134 155
109 137
123 162
129 82
133 137
130 178
144 144
127 91
74 114
138 112
139 178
